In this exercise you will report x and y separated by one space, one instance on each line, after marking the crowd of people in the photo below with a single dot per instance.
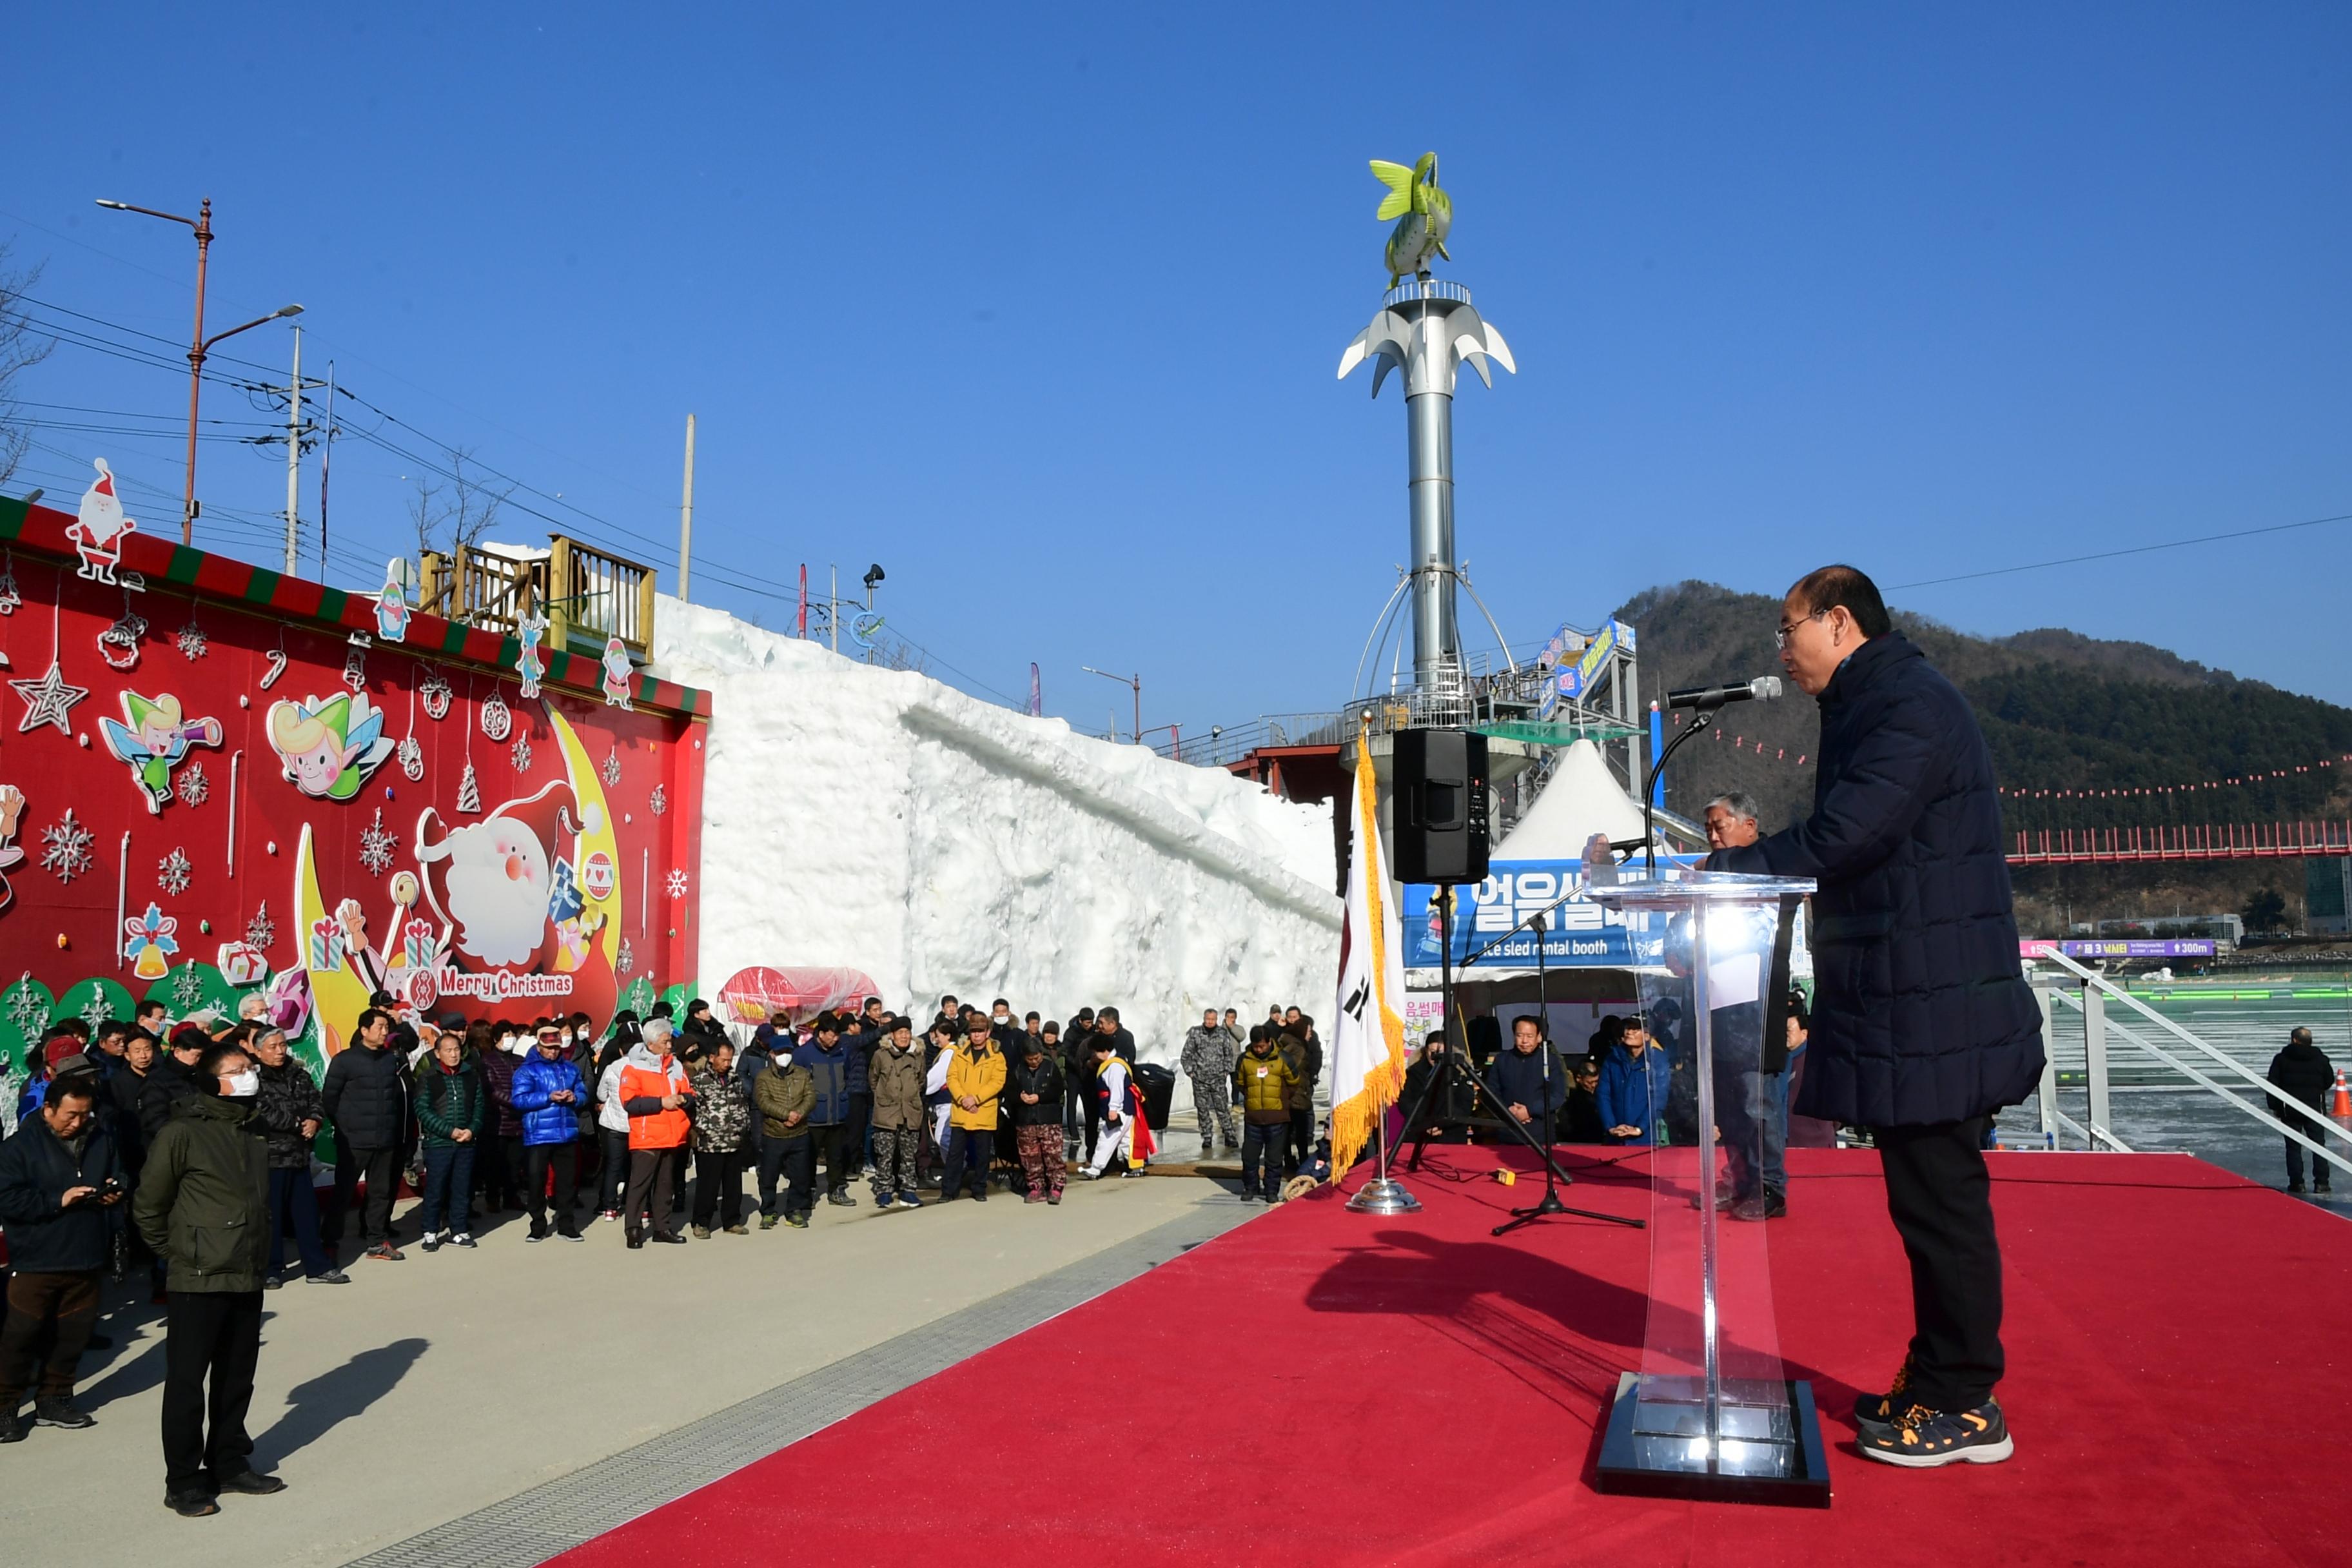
187 1150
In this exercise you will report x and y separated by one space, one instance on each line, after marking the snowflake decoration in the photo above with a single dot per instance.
261 931
172 872
66 848
470 792
627 961
191 642
376 844
434 690
188 986
98 1011
678 884
193 785
611 768
521 754
28 1009
495 718
658 802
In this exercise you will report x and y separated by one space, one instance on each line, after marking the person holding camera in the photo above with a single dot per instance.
58 1178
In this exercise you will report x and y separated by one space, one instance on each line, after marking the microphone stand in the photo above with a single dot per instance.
1549 1202
1700 715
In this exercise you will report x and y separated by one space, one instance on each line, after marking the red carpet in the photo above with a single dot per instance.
1320 1387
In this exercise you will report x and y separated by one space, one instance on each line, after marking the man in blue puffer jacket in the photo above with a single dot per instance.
549 1091
828 1064
1634 1080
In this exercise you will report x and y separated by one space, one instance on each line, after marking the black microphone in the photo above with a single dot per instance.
1764 687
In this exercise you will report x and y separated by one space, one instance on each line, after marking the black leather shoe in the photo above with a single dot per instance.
252 1482
637 1239
191 1504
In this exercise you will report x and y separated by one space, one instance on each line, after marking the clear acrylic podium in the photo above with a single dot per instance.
1711 1413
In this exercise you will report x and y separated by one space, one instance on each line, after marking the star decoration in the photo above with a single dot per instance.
172 872
47 701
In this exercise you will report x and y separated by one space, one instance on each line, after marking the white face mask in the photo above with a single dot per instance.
244 1085
567 1036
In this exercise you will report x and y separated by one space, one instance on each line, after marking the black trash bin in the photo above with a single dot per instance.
1158 1086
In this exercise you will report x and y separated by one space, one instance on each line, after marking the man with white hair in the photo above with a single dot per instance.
1731 820
653 1090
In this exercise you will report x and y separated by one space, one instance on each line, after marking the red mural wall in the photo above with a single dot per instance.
241 792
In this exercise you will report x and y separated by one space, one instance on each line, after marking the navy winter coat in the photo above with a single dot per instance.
36 1170
546 1120
1518 1079
365 1095
1922 1014
830 1069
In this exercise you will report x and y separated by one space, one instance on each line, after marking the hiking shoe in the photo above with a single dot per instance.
56 1410
1880 1409
13 1427
2295 1186
384 1252
842 1199
191 1504
331 1276
1923 1439
1053 1197
797 1221
702 1233
1771 1206
739 1229
253 1483
768 1222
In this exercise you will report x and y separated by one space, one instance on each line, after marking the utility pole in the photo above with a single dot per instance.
686 515
326 462
833 609
294 460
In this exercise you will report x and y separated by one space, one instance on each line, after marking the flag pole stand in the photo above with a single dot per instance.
1384 1194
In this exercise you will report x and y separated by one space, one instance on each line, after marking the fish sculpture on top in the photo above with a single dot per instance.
1424 215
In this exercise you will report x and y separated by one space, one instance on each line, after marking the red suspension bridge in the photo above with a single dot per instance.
2223 841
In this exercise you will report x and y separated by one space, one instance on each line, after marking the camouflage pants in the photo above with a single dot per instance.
894 1161
1209 1102
1043 1164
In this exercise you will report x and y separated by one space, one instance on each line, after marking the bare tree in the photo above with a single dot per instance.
21 348
453 513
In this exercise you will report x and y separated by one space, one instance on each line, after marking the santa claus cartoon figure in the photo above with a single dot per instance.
98 533
495 882
617 671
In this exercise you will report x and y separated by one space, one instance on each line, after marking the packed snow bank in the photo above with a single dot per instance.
877 818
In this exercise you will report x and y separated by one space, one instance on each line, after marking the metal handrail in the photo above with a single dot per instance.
2105 988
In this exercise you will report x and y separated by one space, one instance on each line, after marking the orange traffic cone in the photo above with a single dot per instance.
2339 1106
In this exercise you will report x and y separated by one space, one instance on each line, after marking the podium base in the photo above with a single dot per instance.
1769 1446
1383 1194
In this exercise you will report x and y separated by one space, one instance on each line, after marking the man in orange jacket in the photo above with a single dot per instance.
653 1090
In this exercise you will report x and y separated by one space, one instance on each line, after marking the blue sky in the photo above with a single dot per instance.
1040 307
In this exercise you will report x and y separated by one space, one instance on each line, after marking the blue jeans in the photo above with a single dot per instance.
294 1205
448 1187
1751 1111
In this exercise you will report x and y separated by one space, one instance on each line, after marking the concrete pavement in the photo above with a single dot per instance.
429 1389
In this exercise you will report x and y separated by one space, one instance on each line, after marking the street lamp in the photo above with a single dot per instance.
1134 681
199 345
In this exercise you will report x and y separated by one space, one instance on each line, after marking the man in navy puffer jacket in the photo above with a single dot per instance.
1923 1024
549 1091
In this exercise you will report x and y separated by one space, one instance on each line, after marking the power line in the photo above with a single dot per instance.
2133 549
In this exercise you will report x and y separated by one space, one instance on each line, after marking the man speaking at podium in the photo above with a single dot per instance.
1923 1024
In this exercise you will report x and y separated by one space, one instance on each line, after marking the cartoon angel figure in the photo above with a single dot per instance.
329 746
153 742
12 807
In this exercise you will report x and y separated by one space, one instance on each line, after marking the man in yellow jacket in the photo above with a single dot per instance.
975 1085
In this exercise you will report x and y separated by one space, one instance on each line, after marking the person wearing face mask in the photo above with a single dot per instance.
204 1206
291 1116
498 1161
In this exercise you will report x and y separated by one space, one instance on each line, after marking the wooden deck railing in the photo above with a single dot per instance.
587 594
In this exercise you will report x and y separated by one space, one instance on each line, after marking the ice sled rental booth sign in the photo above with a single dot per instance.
247 795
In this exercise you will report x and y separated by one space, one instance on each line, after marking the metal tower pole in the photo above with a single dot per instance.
294 459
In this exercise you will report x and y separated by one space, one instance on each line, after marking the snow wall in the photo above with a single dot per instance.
881 819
